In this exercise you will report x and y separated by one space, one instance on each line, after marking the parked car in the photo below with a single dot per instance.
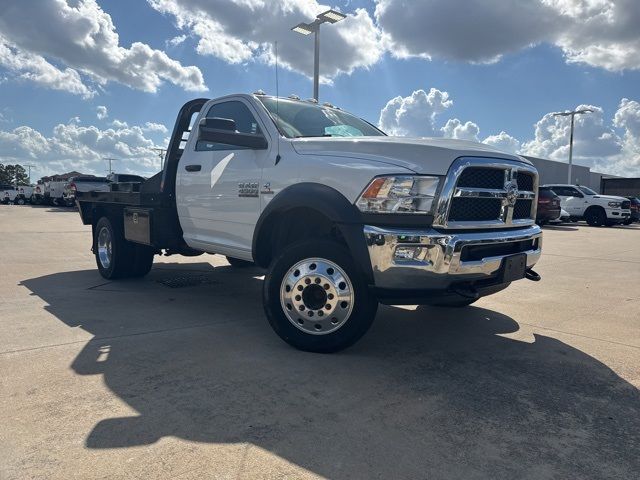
548 206
83 184
341 215
635 210
582 203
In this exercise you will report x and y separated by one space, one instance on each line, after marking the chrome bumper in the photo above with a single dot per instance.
439 262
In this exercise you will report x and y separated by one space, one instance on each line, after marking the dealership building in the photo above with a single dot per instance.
556 172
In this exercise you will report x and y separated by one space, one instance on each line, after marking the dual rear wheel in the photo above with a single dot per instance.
115 256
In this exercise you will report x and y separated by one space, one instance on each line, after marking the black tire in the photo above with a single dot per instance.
628 222
122 253
143 260
19 201
238 263
452 301
595 217
357 323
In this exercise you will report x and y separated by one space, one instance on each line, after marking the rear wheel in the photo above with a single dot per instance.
316 298
143 260
115 256
596 217
19 201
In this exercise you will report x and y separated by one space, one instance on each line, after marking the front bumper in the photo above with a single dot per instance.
445 259
618 214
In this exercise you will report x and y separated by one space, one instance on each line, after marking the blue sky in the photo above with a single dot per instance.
487 89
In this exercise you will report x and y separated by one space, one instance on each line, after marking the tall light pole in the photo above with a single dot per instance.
161 153
111 160
330 16
29 167
573 116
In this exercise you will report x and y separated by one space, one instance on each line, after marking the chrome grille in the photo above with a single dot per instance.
525 181
481 177
464 209
487 193
522 209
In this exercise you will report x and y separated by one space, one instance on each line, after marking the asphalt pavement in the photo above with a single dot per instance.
178 375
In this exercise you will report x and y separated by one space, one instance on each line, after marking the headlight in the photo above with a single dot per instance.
399 194
615 204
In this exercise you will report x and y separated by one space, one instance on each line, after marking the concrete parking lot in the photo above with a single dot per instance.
178 375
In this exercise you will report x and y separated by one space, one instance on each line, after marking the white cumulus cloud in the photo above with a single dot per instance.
600 33
415 115
73 146
607 144
81 36
101 112
245 31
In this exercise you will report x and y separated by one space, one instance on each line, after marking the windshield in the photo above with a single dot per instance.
297 119
587 191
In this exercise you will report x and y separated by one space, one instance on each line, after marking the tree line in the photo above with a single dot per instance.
13 175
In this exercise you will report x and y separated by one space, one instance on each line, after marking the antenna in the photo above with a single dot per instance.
277 105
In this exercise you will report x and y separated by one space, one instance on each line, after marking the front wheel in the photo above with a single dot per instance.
596 217
19 201
316 299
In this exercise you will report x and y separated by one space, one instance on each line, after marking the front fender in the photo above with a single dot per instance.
325 200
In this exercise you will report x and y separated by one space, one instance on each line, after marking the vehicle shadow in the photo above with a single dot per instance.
428 393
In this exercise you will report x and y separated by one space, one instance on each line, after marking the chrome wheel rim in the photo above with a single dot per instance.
317 296
105 249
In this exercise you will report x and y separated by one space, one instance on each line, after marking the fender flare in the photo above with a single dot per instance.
325 200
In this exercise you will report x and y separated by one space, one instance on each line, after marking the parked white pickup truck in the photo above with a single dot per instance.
582 203
17 195
54 192
85 183
341 215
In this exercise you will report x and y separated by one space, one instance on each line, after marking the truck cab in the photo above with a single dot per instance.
340 215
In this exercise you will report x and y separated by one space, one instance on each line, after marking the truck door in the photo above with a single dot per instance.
571 200
218 186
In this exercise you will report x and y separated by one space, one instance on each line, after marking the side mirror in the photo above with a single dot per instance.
578 195
223 130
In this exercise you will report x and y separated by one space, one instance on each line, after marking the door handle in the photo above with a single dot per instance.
193 168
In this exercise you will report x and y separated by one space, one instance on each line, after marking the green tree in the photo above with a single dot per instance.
4 175
13 174
21 176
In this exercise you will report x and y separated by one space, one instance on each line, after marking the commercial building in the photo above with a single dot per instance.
556 172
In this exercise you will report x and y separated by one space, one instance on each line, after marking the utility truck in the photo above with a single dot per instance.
340 215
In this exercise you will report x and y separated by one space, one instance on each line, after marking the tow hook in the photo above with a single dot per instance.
531 275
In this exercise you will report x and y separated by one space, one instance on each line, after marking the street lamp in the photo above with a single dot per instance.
573 116
330 16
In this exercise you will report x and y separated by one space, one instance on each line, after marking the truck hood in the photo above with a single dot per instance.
431 156
611 198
